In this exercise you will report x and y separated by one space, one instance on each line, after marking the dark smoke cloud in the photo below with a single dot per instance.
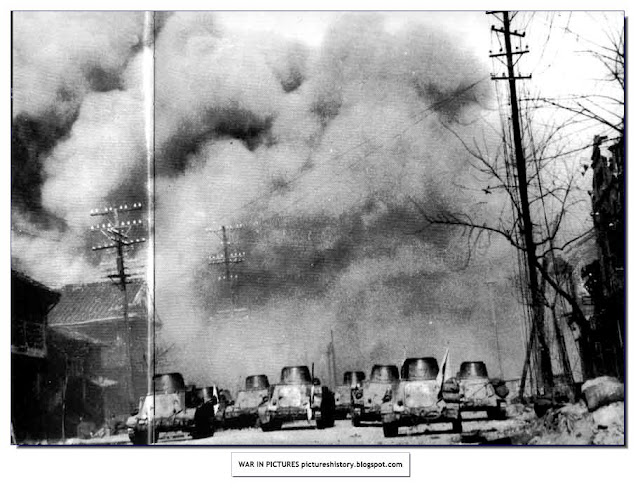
289 62
31 140
319 152
58 57
160 19
322 177
233 122
75 84
211 85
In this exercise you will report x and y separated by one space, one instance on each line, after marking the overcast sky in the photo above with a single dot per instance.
319 131
87 97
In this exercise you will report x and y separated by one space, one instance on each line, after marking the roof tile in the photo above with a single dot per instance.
96 301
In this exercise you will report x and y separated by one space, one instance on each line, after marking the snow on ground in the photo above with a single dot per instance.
571 424
574 425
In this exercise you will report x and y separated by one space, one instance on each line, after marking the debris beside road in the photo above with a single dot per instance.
602 391
573 424
596 419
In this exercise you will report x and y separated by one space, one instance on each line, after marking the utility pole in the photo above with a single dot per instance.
331 362
495 324
227 258
537 300
117 231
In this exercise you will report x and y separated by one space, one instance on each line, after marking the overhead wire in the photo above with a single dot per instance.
421 116
507 147
559 342
527 302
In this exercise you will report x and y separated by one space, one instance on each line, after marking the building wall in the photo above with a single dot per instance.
114 364
30 303
609 288
70 394
27 387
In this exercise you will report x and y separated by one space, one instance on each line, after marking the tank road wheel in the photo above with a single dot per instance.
390 429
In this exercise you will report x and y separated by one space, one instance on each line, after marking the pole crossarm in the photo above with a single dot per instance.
497 55
232 258
526 228
518 77
507 32
104 246
227 259
117 231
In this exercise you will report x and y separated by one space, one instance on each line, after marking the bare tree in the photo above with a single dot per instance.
553 196
605 108
553 192
603 111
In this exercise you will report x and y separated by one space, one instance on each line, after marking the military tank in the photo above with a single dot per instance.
480 396
417 399
297 397
172 407
369 397
351 381
244 410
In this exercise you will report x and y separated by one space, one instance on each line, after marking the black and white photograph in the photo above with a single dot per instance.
318 228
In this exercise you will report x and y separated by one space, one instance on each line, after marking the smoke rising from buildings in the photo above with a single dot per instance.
59 57
76 113
319 152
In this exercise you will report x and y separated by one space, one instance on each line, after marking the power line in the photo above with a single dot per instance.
525 216
422 115
117 229
515 212
559 338
228 258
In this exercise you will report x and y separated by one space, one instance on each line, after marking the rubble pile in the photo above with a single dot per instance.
573 424
597 419
609 422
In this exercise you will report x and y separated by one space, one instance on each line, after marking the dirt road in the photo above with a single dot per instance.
345 434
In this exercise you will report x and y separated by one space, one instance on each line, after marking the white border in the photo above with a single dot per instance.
438 467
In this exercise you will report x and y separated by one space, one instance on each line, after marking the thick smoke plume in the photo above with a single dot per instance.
59 57
320 152
78 133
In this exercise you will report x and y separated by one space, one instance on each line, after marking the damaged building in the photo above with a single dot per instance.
31 303
95 310
605 276
52 384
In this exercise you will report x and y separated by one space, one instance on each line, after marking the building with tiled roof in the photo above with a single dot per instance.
53 380
31 301
86 304
96 310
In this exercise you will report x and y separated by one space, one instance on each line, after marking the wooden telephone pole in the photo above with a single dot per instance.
526 228
331 363
227 258
117 231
